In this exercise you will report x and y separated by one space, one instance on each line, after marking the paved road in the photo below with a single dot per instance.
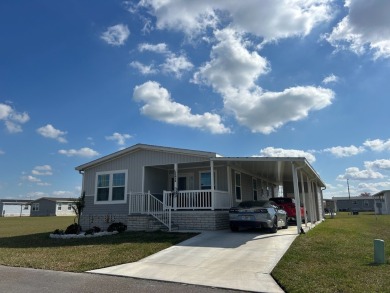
23 280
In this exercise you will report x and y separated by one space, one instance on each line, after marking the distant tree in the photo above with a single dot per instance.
365 194
78 209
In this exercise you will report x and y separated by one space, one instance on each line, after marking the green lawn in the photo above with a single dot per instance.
25 242
337 256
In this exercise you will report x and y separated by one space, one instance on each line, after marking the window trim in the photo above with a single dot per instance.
35 207
111 176
255 188
59 206
215 179
235 186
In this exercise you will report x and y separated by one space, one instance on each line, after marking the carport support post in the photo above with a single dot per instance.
303 198
175 184
212 185
297 200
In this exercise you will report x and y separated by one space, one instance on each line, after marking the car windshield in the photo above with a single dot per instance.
253 203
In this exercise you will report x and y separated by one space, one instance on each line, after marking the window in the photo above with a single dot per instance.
59 206
205 180
238 186
69 206
254 185
25 207
354 202
366 203
35 207
111 186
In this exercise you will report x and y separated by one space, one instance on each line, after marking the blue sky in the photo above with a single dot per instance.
82 79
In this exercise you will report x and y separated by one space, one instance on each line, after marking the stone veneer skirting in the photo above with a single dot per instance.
201 220
181 220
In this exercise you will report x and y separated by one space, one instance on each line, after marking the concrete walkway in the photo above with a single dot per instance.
241 261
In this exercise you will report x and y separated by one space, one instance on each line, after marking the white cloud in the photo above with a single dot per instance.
378 164
374 187
2 152
330 79
44 170
353 173
35 180
233 71
378 145
160 106
49 131
119 138
176 65
160 48
279 152
341 152
144 69
116 35
12 118
63 193
367 25
267 18
83 152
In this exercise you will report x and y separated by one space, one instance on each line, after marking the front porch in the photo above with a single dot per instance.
184 210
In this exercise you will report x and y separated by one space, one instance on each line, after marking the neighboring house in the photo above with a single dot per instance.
52 206
14 207
354 203
382 202
148 186
329 205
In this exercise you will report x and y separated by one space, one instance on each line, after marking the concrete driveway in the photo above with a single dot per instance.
223 259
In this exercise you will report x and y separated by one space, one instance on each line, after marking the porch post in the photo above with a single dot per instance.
212 185
304 198
229 182
297 200
175 184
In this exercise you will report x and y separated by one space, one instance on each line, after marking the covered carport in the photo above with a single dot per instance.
294 174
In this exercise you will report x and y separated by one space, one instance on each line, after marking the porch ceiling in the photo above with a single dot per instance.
277 170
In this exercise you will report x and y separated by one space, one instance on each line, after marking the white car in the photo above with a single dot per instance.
258 214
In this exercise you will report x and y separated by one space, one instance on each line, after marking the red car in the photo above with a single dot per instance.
288 204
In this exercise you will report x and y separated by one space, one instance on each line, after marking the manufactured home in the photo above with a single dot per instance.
354 204
382 202
53 206
14 208
148 187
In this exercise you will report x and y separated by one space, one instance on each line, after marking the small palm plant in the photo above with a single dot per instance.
78 209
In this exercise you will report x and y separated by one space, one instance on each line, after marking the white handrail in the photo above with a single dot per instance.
146 203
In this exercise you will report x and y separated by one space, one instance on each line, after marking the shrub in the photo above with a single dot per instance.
120 227
58 232
93 230
96 229
73 229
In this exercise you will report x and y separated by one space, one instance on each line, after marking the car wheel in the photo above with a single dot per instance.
274 228
234 228
285 224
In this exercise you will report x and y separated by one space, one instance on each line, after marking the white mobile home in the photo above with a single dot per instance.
188 189
14 208
53 206
382 202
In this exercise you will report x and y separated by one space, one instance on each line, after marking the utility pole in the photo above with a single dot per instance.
349 197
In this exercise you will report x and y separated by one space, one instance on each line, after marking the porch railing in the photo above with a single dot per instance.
197 199
147 204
